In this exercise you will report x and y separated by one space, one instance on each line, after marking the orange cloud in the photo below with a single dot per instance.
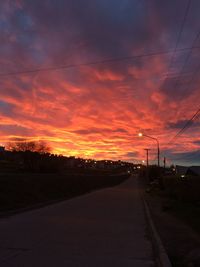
95 110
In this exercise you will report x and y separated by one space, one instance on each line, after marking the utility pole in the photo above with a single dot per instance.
158 146
164 161
158 154
147 151
147 170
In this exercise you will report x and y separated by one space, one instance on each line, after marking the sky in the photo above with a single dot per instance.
88 106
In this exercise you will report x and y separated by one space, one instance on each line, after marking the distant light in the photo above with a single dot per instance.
138 167
182 176
143 161
140 134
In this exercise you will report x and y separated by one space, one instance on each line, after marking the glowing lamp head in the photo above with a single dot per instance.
140 134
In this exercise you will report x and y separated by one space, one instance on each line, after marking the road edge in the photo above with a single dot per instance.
159 250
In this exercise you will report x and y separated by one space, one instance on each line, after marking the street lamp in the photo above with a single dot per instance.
158 147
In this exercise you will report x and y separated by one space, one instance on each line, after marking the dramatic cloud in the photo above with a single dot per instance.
187 157
180 124
96 110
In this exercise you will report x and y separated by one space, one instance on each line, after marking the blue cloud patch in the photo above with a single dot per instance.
14 129
6 108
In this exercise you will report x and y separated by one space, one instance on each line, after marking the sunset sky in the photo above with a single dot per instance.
97 110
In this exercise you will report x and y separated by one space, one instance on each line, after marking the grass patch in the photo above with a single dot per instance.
181 198
188 213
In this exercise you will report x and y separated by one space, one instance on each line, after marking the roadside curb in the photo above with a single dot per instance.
160 252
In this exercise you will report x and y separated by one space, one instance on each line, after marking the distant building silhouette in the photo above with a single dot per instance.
192 170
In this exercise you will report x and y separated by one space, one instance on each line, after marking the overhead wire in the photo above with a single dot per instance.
188 123
105 61
177 41
180 32
112 60
186 61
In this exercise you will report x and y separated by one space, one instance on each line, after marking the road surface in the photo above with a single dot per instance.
103 228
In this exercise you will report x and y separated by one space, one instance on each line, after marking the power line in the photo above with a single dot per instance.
186 60
195 115
190 121
175 50
105 61
178 39
186 126
180 32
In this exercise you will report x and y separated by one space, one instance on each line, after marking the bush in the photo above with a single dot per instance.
183 189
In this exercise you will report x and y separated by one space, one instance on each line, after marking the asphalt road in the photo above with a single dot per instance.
104 228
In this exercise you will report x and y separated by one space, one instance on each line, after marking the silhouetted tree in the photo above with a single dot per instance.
31 146
32 153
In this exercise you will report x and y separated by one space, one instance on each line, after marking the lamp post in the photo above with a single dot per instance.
158 153
158 146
